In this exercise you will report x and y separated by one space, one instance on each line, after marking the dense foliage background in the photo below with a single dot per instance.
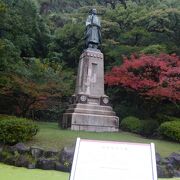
41 41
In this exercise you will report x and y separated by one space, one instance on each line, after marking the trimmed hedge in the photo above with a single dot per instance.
149 128
145 128
4 116
164 118
170 130
131 124
14 130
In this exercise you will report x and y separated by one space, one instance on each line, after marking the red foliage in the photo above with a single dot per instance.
149 75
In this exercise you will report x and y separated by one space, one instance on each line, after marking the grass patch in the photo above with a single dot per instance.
50 136
14 173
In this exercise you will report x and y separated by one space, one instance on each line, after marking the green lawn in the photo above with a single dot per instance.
50 136
14 173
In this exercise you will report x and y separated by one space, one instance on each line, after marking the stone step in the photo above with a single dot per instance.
90 111
90 120
91 106
94 128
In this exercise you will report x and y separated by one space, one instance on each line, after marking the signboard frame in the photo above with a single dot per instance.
77 150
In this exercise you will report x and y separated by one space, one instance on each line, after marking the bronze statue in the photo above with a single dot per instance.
93 30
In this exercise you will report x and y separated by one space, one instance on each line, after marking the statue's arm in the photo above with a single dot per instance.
88 21
100 36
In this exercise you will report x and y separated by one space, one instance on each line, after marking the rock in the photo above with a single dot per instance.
164 172
165 161
36 152
51 153
10 149
31 166
160 171
158 158
21 148
169 166
22 161
46 164
61 167
10 160
170 169
1 157
176 156
176 173
1 147
174 159
1 152
66 156
7 157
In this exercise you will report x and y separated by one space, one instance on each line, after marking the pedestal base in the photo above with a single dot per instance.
89 117
90 109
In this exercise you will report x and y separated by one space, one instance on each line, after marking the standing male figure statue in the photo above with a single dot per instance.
90 109
93 30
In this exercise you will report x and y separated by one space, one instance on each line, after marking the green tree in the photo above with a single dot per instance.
69 42
23 26
31 88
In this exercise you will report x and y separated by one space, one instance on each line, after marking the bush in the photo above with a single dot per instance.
131 124
14 130
4 116
149 127
170 130
164 118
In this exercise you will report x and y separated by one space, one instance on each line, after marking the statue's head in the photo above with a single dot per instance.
93 11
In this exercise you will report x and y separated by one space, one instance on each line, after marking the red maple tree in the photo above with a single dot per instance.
149 75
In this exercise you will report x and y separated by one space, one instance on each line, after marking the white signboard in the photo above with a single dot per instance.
108 160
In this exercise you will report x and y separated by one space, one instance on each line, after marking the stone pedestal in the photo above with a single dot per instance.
90 109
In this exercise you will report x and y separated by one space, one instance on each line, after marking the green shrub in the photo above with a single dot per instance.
14 130
149 127
164 118
170 130
131 124
4 116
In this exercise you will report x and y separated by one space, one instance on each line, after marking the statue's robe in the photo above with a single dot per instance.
93 33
